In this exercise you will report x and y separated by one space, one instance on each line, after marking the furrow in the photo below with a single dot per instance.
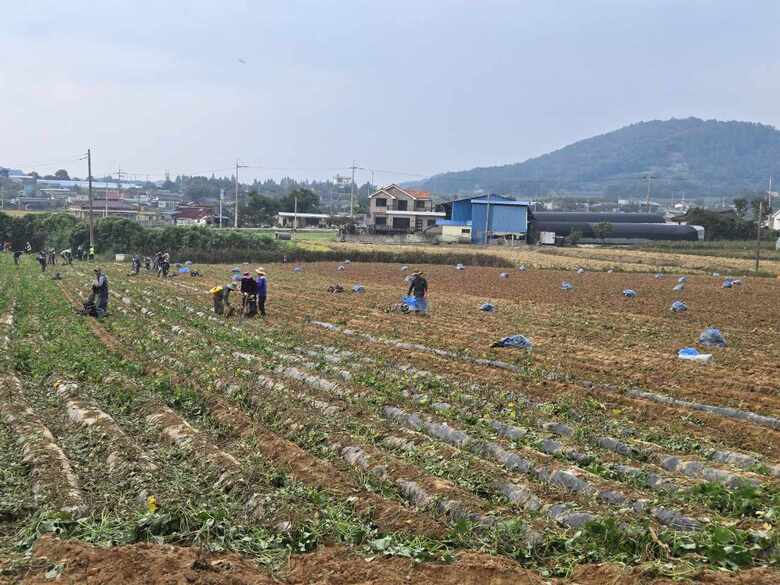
123 453
54 481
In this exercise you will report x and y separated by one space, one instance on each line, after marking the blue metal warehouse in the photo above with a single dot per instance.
489 217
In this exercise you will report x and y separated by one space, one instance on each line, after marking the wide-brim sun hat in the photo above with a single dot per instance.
260 271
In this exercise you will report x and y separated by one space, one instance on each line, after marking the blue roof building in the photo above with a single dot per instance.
489 217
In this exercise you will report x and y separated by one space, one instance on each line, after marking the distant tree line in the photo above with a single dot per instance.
741 225
116 235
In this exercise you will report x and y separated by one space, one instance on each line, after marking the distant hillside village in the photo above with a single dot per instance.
388 214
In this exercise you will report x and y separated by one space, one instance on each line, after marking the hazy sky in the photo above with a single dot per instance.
413 87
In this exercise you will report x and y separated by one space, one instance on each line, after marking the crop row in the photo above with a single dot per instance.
686 467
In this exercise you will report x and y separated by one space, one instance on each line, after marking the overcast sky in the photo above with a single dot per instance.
410 86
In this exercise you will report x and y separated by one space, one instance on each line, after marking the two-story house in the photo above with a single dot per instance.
394 209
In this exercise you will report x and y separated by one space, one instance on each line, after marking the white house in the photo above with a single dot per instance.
287 219
774 221
394 209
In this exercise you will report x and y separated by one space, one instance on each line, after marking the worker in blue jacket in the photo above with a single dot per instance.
262 290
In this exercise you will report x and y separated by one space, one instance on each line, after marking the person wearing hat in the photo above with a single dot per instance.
419 286
262 290
220 295
249 294
100 292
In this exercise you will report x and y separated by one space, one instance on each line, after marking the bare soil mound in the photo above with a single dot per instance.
147 564
150 564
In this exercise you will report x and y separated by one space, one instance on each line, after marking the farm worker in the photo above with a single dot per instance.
100 291
165 265
28 247
91 253
41 257
67 256
220 295
17 255
419 286
136 264
262 290
249 292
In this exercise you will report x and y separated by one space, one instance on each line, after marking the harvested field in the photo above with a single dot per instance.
341 441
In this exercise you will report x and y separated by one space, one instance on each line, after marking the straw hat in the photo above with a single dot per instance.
260 271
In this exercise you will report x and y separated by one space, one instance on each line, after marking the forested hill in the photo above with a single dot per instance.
698 157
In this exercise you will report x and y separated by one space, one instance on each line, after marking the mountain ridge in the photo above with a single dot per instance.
701 158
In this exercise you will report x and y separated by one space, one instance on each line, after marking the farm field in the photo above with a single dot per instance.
697 260
338 441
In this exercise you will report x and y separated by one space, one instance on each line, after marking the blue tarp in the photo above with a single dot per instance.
517 341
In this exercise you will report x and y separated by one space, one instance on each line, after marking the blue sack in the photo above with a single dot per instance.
629 293
410 302
566 285
712 337
487 307
679 307
517 341
358 288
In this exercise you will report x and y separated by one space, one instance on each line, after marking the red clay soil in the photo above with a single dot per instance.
149 564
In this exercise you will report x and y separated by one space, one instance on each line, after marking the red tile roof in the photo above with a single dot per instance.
194 212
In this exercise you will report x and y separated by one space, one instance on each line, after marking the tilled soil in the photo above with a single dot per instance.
146 564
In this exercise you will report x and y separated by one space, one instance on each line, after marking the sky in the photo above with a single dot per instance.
404 88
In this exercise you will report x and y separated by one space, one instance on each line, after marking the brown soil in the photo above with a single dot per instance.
606 574
147 564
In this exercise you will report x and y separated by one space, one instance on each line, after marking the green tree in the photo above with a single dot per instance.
741 206
260 210
602 229
308 201
760 209
574 236
62 175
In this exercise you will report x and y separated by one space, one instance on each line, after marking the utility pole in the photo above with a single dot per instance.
235 217
221 197
649 180
487 218
295 216
352 193
758 232
88 156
